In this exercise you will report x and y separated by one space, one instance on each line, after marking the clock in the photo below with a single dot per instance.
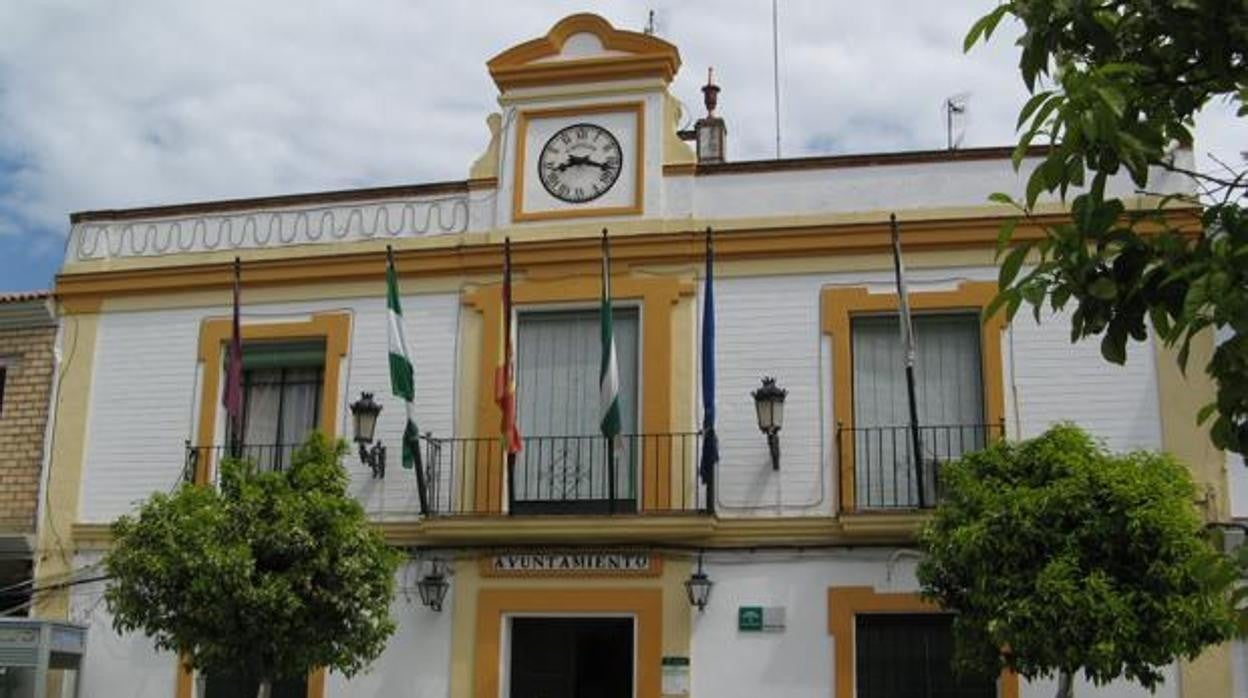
580 163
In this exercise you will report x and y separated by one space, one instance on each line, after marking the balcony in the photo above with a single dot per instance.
883 475
653 474
566 475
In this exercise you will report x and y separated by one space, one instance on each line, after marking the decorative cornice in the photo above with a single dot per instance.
900 528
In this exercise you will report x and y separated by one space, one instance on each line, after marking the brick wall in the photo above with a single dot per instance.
27 356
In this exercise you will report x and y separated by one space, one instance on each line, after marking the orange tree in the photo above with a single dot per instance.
1060 557
1116 86
270 576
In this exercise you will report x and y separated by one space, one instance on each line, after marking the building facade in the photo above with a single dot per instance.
567 572
27 336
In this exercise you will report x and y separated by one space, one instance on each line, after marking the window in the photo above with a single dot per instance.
949 395
281 398
3 375
911 656
563 466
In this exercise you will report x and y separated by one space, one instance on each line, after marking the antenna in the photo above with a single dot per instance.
650 23
955 106
775 68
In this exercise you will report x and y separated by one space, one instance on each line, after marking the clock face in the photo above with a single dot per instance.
580 163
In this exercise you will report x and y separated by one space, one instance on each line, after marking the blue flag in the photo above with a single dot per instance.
710 442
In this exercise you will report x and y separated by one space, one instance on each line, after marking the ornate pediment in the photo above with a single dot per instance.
584 48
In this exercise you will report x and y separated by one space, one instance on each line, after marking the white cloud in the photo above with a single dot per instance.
116 104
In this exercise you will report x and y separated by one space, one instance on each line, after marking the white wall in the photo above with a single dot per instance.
415 662
769 326
429 322
145 395
116 666
1239 668
1054 380
798 661
142 399
417 659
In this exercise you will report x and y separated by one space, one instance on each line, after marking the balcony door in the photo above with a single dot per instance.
564 467
950 396
282 383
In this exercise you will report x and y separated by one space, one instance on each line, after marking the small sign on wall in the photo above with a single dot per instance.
675 676
756 619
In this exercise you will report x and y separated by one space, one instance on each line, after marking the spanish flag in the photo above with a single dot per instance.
505 374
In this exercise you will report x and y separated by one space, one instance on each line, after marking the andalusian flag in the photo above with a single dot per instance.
402 377
609 373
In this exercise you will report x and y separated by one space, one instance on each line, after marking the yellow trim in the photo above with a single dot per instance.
846 602
658 297
645 604
54 558
1180 397
675 151
334 328
637 109
522 65
839 305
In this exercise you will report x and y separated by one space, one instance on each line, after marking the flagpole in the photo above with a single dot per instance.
406 387
710 440
508 423
233 388
606 310
907 339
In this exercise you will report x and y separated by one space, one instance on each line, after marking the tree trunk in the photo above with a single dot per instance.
1065 685
265 690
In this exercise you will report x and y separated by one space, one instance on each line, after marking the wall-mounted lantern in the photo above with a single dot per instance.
698 587
364 413
433 587
769 403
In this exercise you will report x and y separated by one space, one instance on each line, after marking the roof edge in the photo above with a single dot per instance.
905 157
275 201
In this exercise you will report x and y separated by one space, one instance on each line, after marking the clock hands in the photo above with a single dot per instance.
576 160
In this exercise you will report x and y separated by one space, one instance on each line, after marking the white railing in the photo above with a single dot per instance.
265 228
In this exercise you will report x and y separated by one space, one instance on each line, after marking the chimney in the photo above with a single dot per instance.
710 130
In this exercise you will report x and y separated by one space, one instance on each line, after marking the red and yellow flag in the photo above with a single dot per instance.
505 374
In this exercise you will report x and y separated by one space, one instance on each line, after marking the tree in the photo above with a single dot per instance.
1059 556
1115 87
270 576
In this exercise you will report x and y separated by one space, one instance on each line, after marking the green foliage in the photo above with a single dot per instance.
272 575
1122 82
1059 557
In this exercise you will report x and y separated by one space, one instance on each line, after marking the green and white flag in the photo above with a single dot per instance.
402 377
609 373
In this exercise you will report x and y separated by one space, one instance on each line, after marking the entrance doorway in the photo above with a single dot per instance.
565 657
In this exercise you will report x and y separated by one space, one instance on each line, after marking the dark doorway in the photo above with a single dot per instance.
911 656
571 658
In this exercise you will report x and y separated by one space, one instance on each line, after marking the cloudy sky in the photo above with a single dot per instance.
113 104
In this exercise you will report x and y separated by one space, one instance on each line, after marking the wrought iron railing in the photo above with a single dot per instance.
648 474
884 471
264 456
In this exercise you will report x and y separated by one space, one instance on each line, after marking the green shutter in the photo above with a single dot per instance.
300 354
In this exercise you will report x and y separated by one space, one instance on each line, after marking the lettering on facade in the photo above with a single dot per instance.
594 563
